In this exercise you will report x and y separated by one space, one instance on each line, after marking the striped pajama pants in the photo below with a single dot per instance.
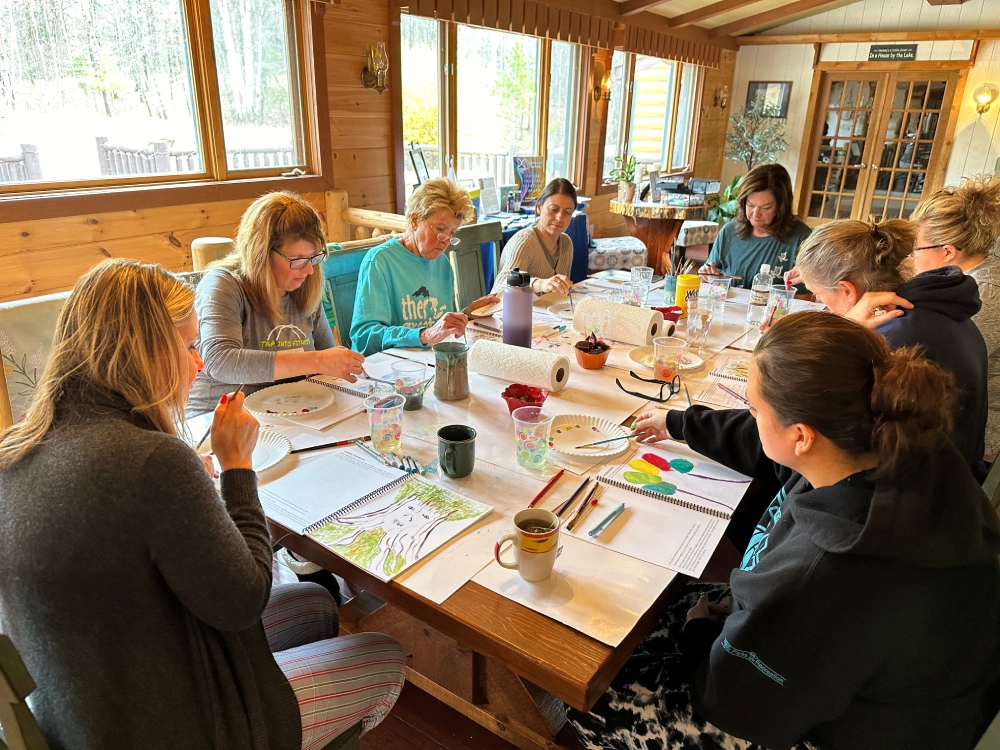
338 681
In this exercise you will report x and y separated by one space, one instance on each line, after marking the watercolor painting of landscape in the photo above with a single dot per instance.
392 531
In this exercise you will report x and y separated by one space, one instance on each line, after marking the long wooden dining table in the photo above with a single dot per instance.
505 665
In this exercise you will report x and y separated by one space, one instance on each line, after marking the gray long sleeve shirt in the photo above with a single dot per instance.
238 344
134 593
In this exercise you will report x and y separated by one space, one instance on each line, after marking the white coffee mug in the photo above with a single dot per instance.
536 544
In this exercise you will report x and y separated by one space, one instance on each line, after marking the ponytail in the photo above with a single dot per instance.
870 254
840 378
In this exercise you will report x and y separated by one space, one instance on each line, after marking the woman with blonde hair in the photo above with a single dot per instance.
843 260
406 288
140 603
959 226
259 310
764 231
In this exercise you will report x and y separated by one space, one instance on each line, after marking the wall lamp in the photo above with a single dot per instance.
601 83
721 97
984 96
373 74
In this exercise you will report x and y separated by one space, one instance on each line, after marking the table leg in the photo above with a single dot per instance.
658 236
486 692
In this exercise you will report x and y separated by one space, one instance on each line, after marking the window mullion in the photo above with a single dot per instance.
198 17
544 94
674 119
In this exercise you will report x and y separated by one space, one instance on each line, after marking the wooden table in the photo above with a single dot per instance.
503 665
657 225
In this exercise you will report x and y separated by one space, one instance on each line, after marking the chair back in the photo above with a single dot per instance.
27 328
340 284
20 730
467 260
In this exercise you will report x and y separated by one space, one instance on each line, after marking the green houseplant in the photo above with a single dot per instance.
624 172
722 207
756 135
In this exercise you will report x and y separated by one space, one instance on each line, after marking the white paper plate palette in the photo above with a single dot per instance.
572 430
290 399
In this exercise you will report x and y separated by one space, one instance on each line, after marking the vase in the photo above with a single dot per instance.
626 192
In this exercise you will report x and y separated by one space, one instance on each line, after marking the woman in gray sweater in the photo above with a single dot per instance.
134 595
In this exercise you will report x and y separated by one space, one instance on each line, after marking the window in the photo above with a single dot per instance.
109 92
498 85
564 104
614 140
421 121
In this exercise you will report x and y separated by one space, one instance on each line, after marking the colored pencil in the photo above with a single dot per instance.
586 511
558 329
687 394
602 442
586 501
370 452
337 444
562 508
546 488
209 430
734 394
610 519
477 324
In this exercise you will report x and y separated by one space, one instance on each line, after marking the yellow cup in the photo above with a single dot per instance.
687 291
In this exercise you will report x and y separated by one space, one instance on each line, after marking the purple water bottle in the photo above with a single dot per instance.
517 299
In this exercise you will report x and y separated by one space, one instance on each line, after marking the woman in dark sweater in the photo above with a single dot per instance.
866 612
133 594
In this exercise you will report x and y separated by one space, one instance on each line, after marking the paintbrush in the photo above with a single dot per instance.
586 509
602 442
337 444
209 430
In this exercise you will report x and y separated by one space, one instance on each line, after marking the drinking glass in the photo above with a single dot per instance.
667 353
643 276
597 323
385 419
532 427
779 303
632 294
411 380
698 323
716 294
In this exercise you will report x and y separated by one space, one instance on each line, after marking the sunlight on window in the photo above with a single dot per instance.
563 105
614 140
419 62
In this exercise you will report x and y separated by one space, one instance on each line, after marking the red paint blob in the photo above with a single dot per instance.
658 461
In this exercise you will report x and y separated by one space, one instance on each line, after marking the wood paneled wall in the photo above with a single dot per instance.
714 120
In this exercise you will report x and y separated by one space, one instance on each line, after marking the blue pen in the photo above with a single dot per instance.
603 525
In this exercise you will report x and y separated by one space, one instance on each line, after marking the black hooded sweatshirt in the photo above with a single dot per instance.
944 301
866 614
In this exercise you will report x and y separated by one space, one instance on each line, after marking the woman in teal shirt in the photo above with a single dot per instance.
764 230
406 288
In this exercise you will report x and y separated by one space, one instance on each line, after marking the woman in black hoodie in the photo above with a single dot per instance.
866 612
843 260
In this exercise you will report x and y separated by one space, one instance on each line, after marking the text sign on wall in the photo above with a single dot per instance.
885 52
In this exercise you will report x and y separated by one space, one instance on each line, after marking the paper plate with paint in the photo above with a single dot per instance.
270 450
643 356
569 431
563 309
488 311
290 399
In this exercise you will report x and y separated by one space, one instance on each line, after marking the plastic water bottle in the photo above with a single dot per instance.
517 299
759 293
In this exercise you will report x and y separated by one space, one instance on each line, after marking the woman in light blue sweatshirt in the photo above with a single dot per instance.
406 288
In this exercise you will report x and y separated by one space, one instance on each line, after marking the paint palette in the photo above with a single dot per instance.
290 399
571 430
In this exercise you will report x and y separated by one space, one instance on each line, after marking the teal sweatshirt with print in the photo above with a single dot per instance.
399 294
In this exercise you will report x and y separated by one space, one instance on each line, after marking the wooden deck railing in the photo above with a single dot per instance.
159 158
21 167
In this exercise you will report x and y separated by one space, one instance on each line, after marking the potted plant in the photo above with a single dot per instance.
756 136
722 207
591 354
624 172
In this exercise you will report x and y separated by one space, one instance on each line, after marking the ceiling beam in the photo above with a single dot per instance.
706 11
880 36
784 14
631 7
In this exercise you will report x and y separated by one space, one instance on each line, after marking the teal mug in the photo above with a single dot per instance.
456 450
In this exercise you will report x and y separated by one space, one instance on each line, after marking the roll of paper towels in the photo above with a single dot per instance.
519 365
628 324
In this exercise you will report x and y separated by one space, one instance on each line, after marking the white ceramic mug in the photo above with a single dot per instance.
536 544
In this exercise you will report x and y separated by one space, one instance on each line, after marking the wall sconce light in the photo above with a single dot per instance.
984 96
601 82
721 98
373 74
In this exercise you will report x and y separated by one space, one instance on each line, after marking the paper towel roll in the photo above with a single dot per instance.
519 365
631 325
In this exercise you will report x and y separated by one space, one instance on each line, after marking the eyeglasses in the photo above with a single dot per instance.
297 263
450 236
673 387
927 247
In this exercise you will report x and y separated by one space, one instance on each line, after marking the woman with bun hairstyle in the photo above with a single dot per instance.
843 260
866 611
137 593
544 250
259 309
959 226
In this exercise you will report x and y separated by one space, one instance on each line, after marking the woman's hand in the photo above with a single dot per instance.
340 362
234 433
651 426
792 277
557 283
209 465
874 308
703 610
709 269
449 324
489 299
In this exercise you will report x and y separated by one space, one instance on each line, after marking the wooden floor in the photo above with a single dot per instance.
421 722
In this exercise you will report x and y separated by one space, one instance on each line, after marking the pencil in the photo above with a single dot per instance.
734 394
687 394
610 519
370 452
590 496
477 324
209 430
586 511
546 488
337 444
562 508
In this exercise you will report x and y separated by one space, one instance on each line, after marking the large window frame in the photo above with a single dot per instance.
215 181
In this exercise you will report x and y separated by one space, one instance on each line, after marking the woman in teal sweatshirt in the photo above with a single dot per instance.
406 288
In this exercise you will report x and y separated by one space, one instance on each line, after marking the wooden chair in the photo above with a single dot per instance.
466 259
992 484
19 729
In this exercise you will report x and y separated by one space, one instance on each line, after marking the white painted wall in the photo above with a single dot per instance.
976 149
897 15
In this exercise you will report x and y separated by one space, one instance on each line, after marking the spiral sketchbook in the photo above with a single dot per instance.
378 517
733 368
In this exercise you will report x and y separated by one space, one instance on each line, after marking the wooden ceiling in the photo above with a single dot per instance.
733 18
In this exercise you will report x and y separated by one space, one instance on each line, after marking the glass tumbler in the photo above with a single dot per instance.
532 429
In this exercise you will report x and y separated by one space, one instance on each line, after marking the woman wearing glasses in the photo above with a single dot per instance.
259 312
406 288
959 226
